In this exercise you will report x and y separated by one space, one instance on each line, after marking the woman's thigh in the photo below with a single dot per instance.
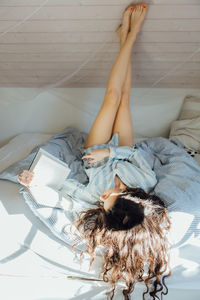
101 130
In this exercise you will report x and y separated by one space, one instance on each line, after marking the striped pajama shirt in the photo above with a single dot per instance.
126 162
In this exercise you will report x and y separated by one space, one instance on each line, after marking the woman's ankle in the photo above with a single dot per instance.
133 34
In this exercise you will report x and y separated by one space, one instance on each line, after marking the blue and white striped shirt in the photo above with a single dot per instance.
126 162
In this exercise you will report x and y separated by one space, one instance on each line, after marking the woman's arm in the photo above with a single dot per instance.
138 173
131 154
96 155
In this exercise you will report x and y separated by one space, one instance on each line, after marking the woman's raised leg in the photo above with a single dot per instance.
102 127
123 122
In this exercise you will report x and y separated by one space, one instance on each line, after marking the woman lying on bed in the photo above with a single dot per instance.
130 223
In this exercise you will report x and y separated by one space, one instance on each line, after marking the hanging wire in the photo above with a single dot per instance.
68 77
24 20
50 277
173 69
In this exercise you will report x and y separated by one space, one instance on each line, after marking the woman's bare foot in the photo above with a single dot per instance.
25 177
124 28
137 17
132 19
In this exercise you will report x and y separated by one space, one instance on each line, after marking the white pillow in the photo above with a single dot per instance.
187 128
19 147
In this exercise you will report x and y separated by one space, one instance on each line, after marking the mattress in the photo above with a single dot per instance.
39 266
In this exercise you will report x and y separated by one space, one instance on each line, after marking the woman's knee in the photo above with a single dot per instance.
113 97
125 100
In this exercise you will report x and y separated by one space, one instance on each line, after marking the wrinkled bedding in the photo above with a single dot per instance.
31 251
178 185
177 173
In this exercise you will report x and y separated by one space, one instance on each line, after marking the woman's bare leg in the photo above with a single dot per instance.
102 127
123 124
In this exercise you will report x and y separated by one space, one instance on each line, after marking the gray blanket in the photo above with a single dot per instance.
65 145
177 172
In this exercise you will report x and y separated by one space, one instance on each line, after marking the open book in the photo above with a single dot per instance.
49 176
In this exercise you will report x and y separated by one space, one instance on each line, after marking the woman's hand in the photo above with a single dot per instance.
25 177
96 155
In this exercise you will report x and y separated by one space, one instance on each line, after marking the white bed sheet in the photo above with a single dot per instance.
34 264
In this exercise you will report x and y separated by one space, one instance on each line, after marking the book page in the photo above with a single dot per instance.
47 196
49 171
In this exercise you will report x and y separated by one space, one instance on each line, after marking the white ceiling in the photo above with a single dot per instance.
73 43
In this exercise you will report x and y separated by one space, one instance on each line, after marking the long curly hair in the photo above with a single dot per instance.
133 234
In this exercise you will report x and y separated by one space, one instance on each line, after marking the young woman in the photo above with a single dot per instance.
130 223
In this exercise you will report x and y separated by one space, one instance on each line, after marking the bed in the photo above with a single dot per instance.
38 265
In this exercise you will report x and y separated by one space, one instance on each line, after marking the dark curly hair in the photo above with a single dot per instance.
133 233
